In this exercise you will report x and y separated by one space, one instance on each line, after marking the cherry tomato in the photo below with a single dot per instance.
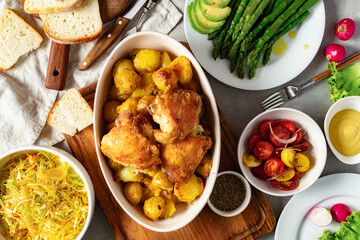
298 137
276 154
274 167
263 150
265 128
284 186
296 176
303 145
289 125
259 172
253 140
281 132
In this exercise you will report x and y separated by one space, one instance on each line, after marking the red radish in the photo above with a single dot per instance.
340 212
335 53
345 29
320 216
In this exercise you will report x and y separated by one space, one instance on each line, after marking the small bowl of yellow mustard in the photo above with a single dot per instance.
342 129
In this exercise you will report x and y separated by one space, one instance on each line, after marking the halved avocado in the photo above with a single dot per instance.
214 13
193 21
202 20
217 3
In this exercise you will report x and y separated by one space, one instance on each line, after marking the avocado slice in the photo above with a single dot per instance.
217 3
193 21
203 21
213 13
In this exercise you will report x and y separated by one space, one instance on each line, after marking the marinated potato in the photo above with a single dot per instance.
165 60
130 105
147 79
161 180
133 192
117 94
154 207
128 174
165 78
169 209
127 80
188 192
204 166
182 68
147 60
121 64
110 113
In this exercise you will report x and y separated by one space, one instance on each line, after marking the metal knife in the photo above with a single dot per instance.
105 41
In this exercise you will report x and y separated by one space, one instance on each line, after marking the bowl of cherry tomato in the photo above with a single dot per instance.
282 151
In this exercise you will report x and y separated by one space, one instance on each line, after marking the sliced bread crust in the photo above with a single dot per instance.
76 109
81 25
17 38
47 6
58 120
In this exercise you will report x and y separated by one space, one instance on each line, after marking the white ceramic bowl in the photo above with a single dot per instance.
65 157
317 150
184 213
242 206
352 102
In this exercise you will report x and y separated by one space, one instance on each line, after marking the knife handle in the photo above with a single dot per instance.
104 42
57 66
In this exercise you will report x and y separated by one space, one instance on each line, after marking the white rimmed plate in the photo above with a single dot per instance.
280 69
327 191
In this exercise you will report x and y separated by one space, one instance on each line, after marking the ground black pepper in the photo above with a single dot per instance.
228 193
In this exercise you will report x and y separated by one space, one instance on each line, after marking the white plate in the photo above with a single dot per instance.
280 69
327 191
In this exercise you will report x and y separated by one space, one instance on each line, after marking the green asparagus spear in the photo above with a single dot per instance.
267 55
236 46
227 42
214 34
283 31
277 3
271 31
216 51
265 22
253 67
250 9
240 65
269 8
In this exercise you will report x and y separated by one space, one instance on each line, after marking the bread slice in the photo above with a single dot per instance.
17 38
78 26
58 120
76 109
46 6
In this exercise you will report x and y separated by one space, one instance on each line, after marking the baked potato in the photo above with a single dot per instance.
133 192
128 174
116 94
127 80
110 113
169 209
154 207
121 64
147 60
183 69
130 105
165 78
189 191
165 60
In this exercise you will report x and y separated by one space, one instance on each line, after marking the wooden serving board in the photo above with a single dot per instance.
257 220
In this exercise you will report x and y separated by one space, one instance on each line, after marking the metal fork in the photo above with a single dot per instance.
285 94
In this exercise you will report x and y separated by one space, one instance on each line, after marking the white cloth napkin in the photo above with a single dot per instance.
24 100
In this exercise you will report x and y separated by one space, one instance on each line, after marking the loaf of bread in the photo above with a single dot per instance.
46 6
71 112
17 38
81 25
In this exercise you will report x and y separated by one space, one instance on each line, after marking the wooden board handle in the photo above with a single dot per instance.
57 66
104 42
345 63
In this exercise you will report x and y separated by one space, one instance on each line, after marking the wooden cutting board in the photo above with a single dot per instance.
257 220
